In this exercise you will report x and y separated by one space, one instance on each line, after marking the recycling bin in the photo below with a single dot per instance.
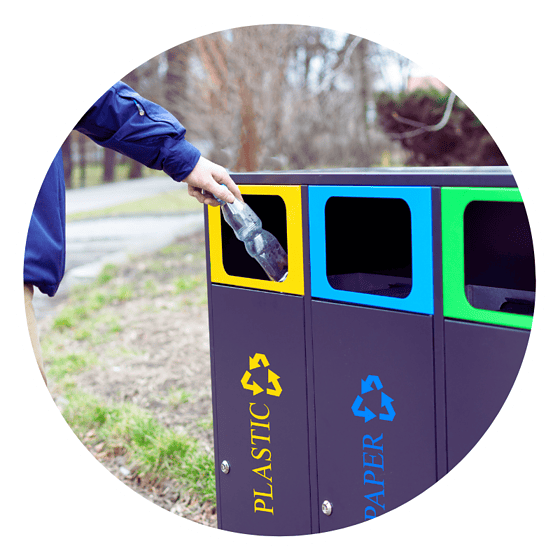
375 367
488 301
372 307
259 373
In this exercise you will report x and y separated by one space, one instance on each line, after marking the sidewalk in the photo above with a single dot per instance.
103 196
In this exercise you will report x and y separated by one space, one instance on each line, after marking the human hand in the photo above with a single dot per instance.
208 179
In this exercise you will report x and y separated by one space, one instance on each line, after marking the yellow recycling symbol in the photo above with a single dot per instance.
254 362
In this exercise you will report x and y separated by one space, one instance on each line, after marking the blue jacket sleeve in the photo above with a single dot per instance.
45 249
126 122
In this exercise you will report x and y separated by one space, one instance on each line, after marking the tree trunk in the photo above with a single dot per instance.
135 169
247 159
67 161
365 156
212 114
176 98
108 165
83 162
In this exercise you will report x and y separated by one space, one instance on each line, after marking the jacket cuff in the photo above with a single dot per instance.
180 158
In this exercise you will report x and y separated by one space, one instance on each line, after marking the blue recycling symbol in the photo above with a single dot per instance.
386 401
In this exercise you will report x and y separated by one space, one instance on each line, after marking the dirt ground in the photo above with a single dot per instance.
159 360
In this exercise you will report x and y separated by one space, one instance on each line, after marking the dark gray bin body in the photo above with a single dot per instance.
444 379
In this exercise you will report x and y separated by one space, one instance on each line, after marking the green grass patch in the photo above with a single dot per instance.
186 283
79 317
83 334
70 316
173 249
153 450
124 292
177 201
108 272
110 323
177 397
97 300
205 423
156 267
151 287
63 365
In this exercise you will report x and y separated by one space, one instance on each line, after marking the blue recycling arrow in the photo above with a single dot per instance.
367 384
386 403
366 414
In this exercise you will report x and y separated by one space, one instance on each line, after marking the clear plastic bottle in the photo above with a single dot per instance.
259 243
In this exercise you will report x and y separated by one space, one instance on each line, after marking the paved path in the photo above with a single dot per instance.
93 198
90 244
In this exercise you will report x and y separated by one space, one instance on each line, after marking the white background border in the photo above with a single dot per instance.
431 69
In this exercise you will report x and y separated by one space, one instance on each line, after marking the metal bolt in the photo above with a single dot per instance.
225 467
327 507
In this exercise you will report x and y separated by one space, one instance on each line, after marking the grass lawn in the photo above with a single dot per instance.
130 373
94 174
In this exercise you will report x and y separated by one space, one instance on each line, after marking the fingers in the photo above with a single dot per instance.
222 192
196 193
211 202
202 197
207 176
226 180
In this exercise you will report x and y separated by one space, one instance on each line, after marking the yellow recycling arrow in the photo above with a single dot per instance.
273 378
254 361
250 386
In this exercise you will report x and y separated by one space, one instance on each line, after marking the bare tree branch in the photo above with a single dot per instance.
339 68
421 128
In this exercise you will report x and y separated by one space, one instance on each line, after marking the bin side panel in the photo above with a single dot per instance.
258 337
481 365
368 466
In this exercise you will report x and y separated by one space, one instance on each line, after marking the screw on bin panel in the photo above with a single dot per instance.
326 506
225 466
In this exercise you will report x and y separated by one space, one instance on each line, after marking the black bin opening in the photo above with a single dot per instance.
271 209
369 245
499 257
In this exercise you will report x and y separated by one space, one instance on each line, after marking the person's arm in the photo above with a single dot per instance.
124 121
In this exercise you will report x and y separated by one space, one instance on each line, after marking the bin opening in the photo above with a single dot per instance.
499 257
271 209
369 245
